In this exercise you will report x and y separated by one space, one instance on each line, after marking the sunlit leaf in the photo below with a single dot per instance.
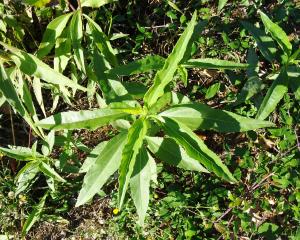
134 142
165 75
105 164
277 33
53 31
167 150
201 116
195 147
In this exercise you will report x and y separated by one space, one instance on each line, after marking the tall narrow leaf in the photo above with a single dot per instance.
253 84
102 42
76 34
9 92
140 183
165 75
34 215
266 44
277 33
53 31
106 163
135 138
275 93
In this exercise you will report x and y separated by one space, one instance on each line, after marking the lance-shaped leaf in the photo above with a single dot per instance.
50 172
140 183
200 116
21 153
167 150
253 84
88 119
165 75
95 3
99 68
143 65
9 92
135 138
106 163
76 35
37 89
34 215
32 66
210 63
266 44
195 147
102 42
275 93
221 4
53 31
26 175
62 51
277 33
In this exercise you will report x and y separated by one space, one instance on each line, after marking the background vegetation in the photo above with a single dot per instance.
265 201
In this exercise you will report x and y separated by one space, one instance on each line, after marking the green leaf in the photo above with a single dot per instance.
53 31
102 78
183 75
50 172
221 4
37 3
37 89
174 6
48 143
277 33
275 93
165 75
34 215
167 150
195 147
32 66
212 90
62 51
20 153
92 157
253 84
143 65
200 116
88 119
266 44
95 3
9 92
106 163
102 42
76 34
25 176
140 183
134 142
210 63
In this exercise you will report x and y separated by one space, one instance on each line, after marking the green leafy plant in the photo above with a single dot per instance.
130 152
286 76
